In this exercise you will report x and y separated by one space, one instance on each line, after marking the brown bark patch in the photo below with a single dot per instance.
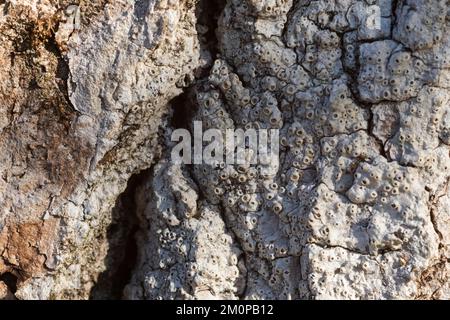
27 249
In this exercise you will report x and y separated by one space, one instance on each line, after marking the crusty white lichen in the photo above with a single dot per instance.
363 115
187 250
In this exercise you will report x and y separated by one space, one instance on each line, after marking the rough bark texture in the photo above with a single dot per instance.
356 207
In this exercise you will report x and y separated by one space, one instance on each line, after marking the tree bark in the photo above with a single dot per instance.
356 205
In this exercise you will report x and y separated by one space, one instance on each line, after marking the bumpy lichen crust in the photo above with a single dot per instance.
355 208
187 250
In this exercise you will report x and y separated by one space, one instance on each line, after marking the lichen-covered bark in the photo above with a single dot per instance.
81 110
356 206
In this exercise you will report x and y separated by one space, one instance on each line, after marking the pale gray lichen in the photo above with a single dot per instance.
349 203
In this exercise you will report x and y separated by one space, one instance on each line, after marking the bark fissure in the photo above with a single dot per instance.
122 252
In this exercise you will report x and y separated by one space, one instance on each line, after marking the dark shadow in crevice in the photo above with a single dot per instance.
183 110
122 253
10 280
208 13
